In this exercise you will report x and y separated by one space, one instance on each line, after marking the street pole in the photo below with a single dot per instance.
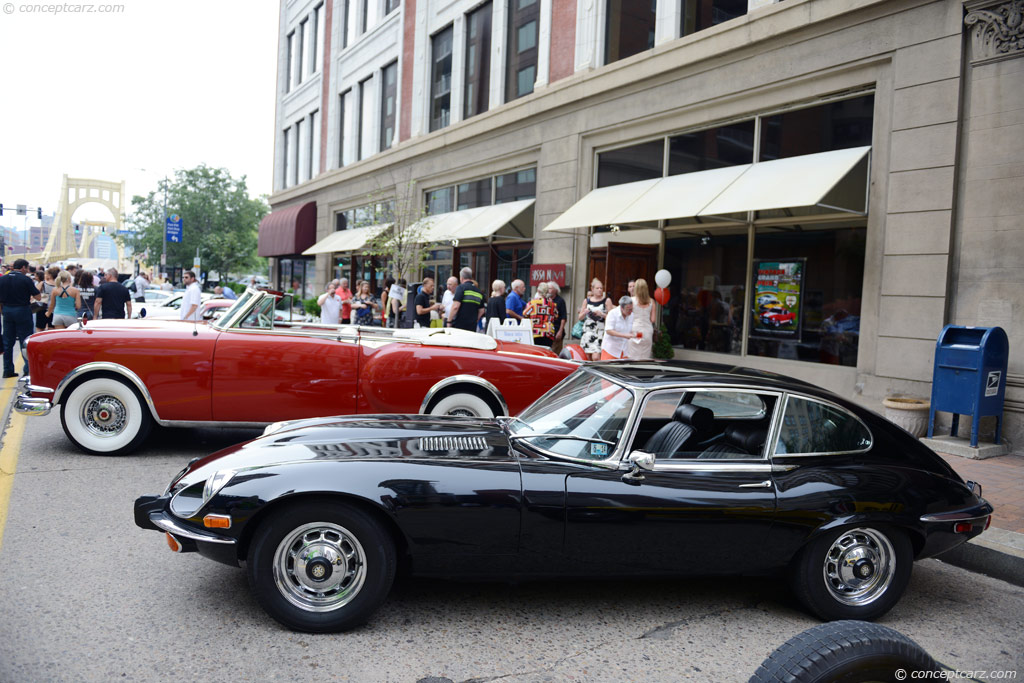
163 259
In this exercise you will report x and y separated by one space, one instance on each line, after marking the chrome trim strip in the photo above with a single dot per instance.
212 423
33 389
958 516
162 522
107 367
662 466
463 379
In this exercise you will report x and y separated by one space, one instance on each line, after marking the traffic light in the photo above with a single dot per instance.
39 213
78 230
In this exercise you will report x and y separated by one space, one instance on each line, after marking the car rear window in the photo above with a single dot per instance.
810 426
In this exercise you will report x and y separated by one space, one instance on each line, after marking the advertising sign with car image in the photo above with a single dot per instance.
778 298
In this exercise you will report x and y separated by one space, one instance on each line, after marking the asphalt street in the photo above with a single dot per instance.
85 595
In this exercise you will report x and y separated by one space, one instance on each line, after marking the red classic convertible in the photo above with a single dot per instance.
113 379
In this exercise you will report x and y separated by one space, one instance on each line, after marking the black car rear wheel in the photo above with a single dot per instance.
853 573
322 567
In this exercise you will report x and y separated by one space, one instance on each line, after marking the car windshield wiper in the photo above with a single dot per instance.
510 418
571 437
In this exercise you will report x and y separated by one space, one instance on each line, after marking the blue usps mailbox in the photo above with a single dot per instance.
970 376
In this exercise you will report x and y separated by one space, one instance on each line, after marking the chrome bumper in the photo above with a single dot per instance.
25 404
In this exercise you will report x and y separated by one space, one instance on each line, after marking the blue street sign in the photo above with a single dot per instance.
172 232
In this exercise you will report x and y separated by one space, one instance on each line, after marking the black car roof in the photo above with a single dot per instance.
651 374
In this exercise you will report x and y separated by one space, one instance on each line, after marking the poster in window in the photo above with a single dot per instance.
778 298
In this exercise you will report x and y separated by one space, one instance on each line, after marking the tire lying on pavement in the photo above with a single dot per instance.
845 651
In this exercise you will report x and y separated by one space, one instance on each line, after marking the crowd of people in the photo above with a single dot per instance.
622 329
37 298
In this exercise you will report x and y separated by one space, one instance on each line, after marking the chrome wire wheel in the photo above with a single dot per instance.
104 415
859 566
319 567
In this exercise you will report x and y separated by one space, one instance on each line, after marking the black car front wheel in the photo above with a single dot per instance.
853 573
321 567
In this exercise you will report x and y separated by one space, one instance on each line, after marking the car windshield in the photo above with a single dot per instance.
583 417
243 302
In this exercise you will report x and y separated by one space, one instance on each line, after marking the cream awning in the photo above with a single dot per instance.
680 196
601 206
512 219
808 180
832 180
345 240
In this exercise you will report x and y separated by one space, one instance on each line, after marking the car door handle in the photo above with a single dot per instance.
766 484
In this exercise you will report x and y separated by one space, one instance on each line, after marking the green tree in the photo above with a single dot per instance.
401 244
217 215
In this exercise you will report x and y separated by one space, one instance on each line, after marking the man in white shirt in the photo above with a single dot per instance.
330 304
449 296
193 298
618 329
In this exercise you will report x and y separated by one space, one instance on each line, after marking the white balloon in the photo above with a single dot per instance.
663 278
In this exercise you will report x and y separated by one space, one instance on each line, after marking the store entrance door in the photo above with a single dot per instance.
627 262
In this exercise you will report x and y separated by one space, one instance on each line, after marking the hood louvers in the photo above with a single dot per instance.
453 443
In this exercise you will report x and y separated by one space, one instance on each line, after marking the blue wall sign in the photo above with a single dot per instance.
172 232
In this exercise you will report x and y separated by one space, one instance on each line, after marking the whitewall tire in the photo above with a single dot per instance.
462 405
105 416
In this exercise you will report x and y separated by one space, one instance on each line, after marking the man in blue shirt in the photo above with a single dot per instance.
514 303
16 291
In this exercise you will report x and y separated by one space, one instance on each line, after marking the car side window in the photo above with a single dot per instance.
813 427
704 424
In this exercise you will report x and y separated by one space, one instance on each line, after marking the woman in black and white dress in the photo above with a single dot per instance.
593 312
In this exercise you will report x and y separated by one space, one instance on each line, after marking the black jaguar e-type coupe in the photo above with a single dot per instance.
622 469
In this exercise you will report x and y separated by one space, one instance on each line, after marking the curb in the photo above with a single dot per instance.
5 418
997 553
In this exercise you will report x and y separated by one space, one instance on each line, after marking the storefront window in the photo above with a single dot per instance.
836 125
297 277
514 264
728 145
807 294
630 164
440 201
479 260
709 274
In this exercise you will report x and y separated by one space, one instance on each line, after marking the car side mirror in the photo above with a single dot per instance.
639 462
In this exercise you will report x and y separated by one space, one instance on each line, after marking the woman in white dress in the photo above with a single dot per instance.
641 348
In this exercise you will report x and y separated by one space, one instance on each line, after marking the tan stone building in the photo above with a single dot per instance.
861 161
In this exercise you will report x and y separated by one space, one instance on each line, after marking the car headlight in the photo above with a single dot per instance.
216 483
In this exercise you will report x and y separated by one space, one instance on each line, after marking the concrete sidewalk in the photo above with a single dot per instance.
999 552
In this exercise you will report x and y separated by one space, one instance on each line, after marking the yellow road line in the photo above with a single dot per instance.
9 453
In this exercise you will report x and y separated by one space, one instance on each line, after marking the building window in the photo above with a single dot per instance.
296 153
344 125
302 52
479 261
705 311
290 69
302 136
698 15
728 145
474 194
513 264
370 18
521 59
512 187
366 116
318 22
441 79
289 169
349 36
391 5
478 61
630 164
387 105
822 324
629 28
835 125
441 201
314 144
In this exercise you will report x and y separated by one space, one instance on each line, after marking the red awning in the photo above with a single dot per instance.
288 231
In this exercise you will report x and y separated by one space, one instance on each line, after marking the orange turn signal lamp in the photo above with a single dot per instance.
173 544
217 522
